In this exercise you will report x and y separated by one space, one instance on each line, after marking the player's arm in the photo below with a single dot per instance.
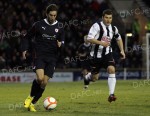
80 52
95 41
94 30
60 42
26 40
120 43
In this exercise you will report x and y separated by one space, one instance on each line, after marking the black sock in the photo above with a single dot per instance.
86 82
36 98
35 88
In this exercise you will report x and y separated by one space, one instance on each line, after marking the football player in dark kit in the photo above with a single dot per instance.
48 38
84 58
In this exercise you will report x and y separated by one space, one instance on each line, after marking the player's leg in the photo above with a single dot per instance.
110 65
95 67
40 80
36 92
48 73
36 85
90 77
43 76
85 72
85 66
34 88
94 74
111 83
41 89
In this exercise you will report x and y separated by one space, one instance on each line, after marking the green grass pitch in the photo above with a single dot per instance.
133 99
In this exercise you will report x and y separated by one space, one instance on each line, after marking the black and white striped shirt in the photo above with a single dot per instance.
94 33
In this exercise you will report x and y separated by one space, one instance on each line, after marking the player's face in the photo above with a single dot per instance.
107 19
51 16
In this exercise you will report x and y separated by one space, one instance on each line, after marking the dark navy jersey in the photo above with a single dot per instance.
84 49
43 38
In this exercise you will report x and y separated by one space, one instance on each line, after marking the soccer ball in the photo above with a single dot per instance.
50 103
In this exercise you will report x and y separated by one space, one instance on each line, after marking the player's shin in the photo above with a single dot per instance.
40 92
95 77
111 83
88 76
87 79
35 88
37 97
34 91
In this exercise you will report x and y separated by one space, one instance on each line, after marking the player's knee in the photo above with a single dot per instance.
111 69
40 80
43 85
45 82
95 77
84 72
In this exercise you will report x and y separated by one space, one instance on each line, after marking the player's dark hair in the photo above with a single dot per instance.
108 12
51 7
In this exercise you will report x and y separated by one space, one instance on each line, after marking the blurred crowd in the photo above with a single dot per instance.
77 16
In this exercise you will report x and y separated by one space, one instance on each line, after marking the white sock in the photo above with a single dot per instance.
111 83
86 86
88 76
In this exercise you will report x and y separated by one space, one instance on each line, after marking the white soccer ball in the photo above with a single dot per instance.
50 103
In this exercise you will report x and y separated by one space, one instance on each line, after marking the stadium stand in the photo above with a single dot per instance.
76 17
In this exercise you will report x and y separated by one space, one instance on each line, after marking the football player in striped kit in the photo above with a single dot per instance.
100 36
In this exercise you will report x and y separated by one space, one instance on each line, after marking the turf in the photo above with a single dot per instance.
133 99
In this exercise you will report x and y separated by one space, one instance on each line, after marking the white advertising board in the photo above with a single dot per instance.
27 77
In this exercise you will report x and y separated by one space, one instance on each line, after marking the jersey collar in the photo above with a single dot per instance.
105 25
87 45
49 23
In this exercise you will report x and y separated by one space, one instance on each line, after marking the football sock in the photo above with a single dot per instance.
35 88
87 79
88 76
39 94
86 82
86 86
111 83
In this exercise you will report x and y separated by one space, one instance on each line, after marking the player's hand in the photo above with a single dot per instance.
58 43
105 44
24 54
123 56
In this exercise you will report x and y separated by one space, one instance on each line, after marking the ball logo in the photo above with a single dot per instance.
50 103
56 30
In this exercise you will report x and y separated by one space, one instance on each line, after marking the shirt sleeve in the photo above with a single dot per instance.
80 49
26 40
117 35
93 31
62 36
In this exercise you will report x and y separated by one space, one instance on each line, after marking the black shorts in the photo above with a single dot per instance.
104 62
85 64
48 64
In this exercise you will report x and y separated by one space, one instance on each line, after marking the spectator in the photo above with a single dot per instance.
76 17
136 29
